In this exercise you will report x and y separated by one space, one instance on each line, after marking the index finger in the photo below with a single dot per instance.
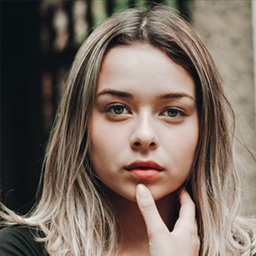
147 206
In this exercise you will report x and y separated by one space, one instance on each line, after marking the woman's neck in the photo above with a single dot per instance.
134 238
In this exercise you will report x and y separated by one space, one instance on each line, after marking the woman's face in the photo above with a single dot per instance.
144 125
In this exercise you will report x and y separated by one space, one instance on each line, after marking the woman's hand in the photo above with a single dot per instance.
183 240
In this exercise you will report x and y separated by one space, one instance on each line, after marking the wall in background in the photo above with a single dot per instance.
226 28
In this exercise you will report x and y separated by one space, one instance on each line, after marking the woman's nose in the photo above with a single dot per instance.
144 136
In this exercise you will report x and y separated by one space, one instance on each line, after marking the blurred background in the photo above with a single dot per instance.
38 42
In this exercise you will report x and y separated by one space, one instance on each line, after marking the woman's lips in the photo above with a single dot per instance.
145 174
144 170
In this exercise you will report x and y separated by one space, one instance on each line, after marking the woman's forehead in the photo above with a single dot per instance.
142 68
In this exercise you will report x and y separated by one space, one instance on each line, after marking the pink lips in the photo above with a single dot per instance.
144 170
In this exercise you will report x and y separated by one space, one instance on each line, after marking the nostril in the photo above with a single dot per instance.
137 144
152 144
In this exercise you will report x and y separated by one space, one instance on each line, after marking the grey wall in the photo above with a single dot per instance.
226 29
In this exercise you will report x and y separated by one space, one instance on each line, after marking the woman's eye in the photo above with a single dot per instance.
117 110
173 113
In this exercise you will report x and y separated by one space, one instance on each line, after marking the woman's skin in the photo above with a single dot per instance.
183 240
144 134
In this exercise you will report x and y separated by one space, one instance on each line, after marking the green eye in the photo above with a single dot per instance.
118 110
173 112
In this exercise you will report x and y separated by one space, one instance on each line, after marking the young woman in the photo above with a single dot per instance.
140 159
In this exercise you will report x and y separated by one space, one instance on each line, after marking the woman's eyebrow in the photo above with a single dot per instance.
176 95
115 93
172 95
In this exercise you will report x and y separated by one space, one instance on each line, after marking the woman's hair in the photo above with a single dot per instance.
73 213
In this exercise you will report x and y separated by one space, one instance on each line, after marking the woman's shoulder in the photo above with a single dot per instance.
18 240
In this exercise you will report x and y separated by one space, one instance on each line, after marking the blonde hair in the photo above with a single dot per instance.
73 212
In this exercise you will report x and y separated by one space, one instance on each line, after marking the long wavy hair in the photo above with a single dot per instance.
73 213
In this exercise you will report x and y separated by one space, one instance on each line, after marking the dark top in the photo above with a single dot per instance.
20 241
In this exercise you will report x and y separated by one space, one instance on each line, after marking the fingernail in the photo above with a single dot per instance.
142 191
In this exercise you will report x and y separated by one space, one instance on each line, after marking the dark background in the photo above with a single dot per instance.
34 60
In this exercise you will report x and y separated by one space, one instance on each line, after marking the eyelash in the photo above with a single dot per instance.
180 113
110 109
